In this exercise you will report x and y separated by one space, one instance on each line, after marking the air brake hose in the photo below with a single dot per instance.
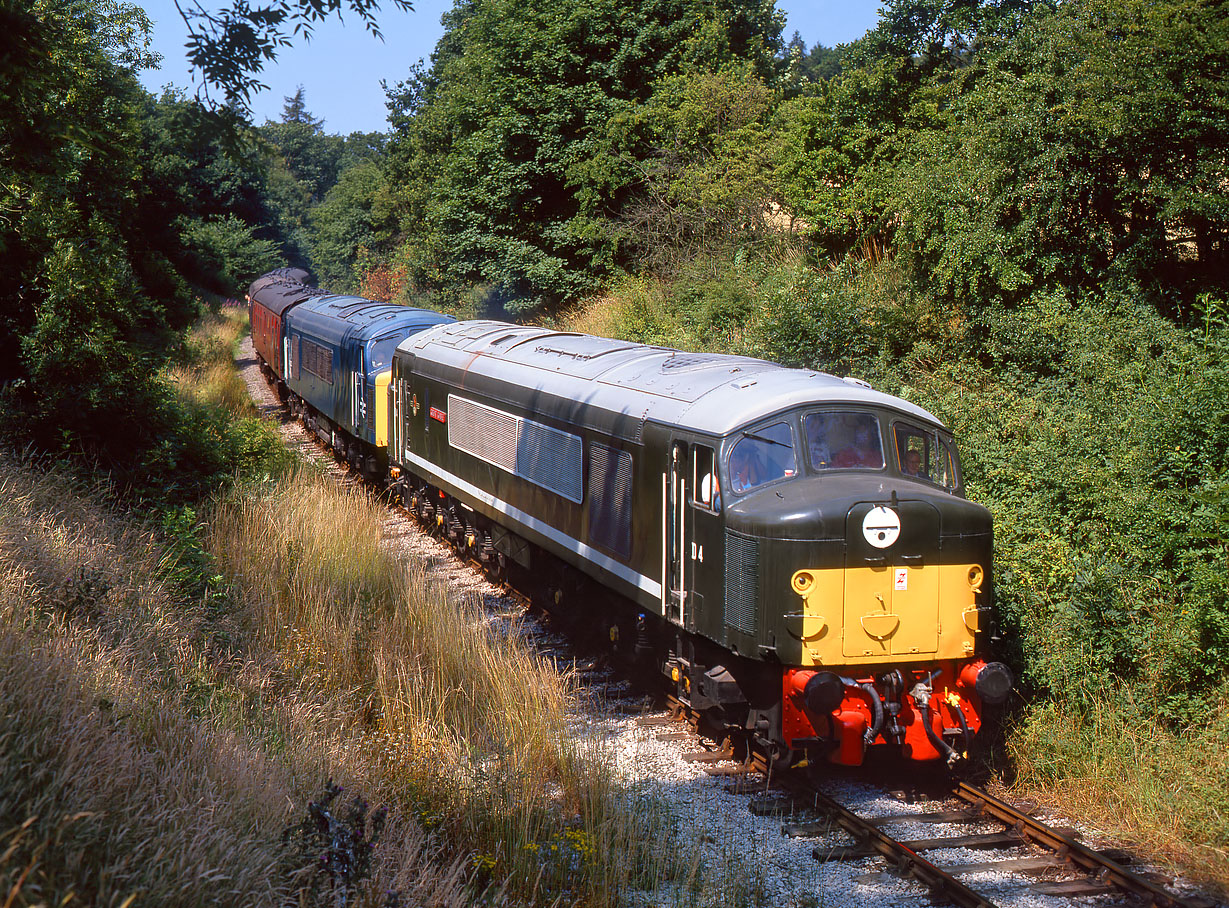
966 735
939 744
876 709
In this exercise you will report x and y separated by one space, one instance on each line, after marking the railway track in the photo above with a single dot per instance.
1024 846
1036 848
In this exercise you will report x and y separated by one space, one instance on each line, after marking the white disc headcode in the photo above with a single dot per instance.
881 527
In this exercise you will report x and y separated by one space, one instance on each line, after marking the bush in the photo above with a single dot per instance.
1101 443
231 251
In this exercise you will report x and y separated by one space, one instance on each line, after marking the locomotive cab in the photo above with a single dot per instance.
853 561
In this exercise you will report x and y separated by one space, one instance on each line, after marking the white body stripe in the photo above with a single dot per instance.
635 578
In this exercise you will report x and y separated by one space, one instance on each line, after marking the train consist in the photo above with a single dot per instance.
331 358
792 550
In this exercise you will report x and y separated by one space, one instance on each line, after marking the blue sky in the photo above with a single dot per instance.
340 70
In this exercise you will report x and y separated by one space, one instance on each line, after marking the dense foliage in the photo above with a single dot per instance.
1029 219
513 155
116 210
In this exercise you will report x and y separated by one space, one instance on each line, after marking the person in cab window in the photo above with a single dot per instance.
862 452
913 463
817 442
745 471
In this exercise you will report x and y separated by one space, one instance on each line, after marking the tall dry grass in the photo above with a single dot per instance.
1166 793
109 788
598 315
435 708
147 749
208 373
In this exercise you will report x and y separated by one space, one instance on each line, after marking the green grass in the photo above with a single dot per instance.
1165 793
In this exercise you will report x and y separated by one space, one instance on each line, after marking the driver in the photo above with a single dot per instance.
913 463
745 469
863 452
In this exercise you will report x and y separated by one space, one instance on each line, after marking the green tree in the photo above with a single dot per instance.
231 250
188 178
353 221
706 173
294 110
506 173
934 36
304 165
93 206
815 65
1094 146
847 138
841 145
311 155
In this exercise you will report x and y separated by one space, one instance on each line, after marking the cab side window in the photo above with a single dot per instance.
925 454
706 490
913 451
944 471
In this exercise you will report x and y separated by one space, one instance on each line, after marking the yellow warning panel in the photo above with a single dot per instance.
868 603
885 614
382 382
915 597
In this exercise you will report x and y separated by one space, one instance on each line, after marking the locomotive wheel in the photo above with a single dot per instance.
496 568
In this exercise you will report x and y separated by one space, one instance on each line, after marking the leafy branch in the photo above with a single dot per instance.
229 47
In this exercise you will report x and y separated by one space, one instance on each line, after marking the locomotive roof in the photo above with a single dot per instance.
277 294
335 317
710 392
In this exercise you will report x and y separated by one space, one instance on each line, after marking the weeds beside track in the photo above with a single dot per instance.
189 682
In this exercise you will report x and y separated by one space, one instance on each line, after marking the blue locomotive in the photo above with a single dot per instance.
332 358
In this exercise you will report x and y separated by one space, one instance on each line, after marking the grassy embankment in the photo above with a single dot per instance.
1095 433
185 689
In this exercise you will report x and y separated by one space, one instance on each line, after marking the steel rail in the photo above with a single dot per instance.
905 861
1103 868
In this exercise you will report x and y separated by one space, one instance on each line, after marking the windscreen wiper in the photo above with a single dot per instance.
771 441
